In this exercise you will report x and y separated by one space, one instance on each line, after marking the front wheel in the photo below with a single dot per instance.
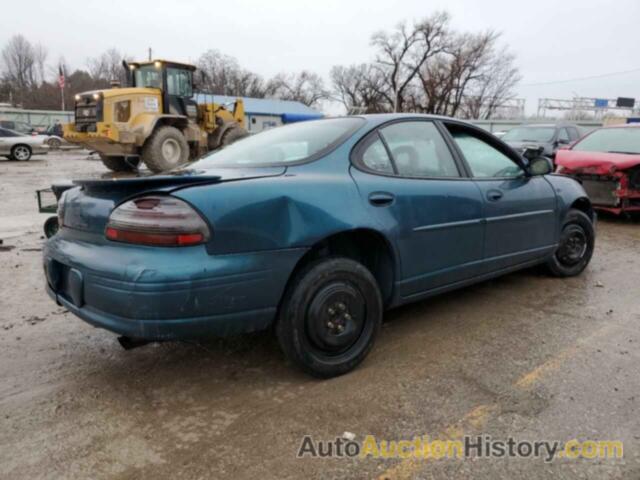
119 163
575 249
21 153
234 134
330 317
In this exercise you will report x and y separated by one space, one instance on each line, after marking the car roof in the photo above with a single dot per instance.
623 125
13 131
554 125
380 118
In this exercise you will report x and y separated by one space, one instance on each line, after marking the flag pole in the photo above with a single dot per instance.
61 83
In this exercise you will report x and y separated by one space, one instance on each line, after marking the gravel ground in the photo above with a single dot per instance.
526 356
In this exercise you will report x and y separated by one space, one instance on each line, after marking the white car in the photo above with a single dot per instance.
18 146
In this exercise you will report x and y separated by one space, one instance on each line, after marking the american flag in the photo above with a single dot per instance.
61 76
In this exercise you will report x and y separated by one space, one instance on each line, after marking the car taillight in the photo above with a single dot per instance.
157 220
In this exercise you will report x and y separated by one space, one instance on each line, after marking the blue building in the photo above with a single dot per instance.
264 113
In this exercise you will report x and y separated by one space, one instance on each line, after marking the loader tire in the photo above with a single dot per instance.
118 164
232 135
165 150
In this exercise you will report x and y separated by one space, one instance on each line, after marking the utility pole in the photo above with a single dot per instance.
150 53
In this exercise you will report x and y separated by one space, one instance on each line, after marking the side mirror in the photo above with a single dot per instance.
540 166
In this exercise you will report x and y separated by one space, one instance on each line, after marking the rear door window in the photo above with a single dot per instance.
375 156
418 150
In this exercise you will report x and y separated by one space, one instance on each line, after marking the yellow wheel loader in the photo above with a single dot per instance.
154 120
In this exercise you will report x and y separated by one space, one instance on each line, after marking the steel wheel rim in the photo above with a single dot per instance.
573 246
171 150
335 318
21 153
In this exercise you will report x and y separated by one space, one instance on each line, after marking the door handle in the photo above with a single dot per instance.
494 195
381 199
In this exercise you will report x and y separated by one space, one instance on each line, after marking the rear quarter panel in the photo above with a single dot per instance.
297 209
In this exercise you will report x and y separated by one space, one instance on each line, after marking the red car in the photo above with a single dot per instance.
607 162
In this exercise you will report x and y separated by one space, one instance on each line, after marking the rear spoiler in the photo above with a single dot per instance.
155 181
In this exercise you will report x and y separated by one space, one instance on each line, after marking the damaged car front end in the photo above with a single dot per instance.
607 163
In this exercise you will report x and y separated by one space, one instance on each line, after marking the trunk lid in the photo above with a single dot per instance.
88 206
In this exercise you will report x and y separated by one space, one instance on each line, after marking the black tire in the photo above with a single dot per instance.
330 316
575 248
51 227
119 164
21 153
54 143
233 134
157 155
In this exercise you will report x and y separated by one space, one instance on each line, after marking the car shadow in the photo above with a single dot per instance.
256 358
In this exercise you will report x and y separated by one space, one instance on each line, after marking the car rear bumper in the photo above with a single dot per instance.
165 293
171 329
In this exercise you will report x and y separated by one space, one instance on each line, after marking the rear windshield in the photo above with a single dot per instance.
614 140
283 145
529 134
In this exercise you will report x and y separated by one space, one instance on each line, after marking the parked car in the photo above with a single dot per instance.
17 126
546 138
55 136
17 146
316 227
607 162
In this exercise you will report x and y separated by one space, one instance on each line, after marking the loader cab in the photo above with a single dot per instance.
174 79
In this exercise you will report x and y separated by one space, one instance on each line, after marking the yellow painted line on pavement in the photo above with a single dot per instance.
478 416
406 469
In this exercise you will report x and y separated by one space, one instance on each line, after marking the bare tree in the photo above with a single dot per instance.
494 87
19 62
305 87
107 67
40 58
447 78
402 53
223 75
360 88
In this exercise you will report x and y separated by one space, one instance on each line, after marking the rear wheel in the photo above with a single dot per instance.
21 153
119 163
330 317
54 143
575 249
165 149
51 227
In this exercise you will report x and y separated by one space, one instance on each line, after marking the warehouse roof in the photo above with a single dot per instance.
263 106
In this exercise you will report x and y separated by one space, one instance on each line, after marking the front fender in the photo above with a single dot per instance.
569 193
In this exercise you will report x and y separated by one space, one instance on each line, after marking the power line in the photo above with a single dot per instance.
579 79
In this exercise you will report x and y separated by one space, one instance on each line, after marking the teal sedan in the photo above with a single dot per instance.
314 229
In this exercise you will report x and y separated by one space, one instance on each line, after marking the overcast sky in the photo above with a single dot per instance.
553 40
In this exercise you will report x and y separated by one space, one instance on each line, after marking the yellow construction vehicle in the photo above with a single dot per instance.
154 120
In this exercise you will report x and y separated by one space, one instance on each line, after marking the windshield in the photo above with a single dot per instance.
148 76
616 140
283 145
529 134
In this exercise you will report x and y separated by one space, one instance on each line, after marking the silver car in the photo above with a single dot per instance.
18 146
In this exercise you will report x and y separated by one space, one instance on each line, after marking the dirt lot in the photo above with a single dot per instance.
526 356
